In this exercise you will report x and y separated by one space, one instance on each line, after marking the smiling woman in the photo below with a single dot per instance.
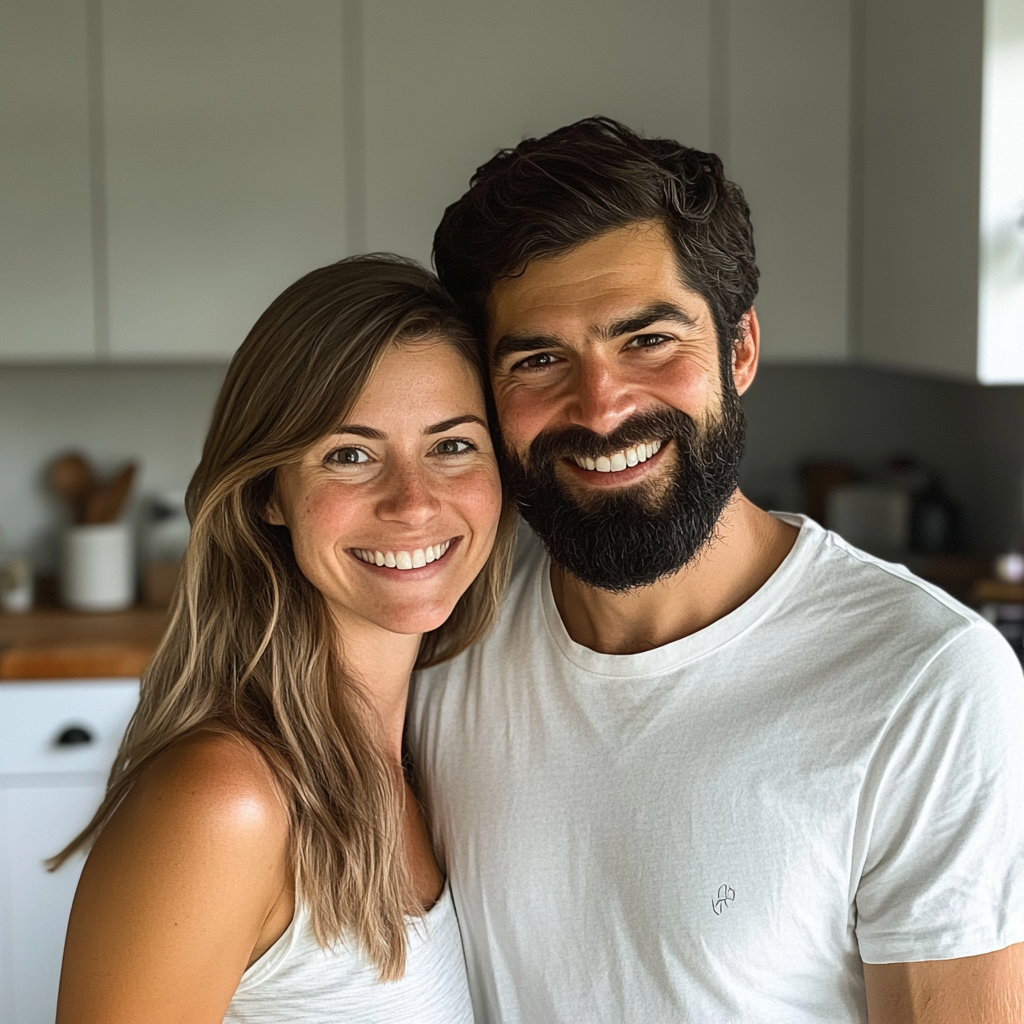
260 854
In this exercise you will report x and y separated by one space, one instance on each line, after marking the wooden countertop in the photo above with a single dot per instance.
54 643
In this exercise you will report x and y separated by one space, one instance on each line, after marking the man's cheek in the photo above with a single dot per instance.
521 419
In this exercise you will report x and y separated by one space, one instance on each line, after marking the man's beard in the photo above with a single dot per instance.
634 536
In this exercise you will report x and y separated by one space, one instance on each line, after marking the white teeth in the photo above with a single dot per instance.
415 559
618 461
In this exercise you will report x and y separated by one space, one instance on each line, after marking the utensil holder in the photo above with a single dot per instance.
98 567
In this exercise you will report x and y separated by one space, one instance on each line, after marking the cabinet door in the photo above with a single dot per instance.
36 822
1001 279
46 286
450 82
224 165
787 100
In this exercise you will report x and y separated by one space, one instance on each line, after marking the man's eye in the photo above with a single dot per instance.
647 340
537 362
453 446
348 456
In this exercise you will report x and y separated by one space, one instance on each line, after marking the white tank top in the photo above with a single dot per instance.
298 981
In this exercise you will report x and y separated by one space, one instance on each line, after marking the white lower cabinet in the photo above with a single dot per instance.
57 741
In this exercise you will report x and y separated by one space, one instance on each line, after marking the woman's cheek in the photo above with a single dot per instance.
484 506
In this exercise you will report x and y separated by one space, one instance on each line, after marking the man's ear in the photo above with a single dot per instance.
745 351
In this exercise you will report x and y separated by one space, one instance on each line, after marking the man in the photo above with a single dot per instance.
712 764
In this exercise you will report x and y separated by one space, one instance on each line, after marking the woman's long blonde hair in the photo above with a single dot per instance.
250 646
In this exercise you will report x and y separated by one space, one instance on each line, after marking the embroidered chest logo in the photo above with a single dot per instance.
726 894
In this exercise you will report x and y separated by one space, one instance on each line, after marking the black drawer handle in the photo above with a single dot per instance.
74 736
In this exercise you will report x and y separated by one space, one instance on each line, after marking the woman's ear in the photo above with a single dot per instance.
272 513
272 510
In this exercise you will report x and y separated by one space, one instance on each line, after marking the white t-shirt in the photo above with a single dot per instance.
721 829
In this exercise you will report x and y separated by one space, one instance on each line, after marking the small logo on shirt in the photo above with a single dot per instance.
726 894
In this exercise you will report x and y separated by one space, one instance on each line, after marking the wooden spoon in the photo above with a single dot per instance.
71 477
106 501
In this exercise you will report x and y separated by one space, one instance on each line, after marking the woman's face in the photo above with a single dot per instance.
393 515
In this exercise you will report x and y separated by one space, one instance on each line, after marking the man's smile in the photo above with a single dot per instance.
620 468
620 460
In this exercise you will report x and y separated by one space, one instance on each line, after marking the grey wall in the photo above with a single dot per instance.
971 434
157 415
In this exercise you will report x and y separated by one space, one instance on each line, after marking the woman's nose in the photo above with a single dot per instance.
408 497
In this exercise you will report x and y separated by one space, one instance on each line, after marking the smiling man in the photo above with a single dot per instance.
713 764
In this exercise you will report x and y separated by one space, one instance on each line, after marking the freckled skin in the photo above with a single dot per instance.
405 495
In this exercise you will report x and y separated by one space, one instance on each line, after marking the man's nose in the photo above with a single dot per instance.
408 497
601 398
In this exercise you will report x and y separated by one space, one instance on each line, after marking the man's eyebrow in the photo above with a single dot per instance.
514 344
643 318
440 428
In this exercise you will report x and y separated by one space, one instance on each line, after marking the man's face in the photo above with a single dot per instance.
620 438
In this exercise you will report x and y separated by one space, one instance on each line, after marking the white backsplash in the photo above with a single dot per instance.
158 415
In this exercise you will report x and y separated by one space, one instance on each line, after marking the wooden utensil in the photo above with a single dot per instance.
71 477
105 502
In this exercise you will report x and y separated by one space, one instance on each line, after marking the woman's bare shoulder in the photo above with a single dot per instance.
179 885
213 780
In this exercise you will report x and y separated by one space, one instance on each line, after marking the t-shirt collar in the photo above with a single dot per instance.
724 630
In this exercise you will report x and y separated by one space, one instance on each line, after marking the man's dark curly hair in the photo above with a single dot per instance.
549 195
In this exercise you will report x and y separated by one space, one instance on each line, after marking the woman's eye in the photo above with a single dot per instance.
348 456
453 446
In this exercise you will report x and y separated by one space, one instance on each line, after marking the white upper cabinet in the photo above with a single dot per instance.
944 188
783 109
450 82
46 284
224 165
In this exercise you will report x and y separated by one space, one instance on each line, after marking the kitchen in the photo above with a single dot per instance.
172 166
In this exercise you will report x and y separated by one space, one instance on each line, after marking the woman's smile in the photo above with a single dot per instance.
405 559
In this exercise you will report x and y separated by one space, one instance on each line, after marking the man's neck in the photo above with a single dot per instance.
749 545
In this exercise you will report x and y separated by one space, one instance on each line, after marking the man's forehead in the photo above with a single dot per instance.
594 285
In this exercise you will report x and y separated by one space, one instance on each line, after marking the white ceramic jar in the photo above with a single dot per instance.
98 567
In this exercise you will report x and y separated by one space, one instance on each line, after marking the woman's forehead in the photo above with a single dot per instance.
428 381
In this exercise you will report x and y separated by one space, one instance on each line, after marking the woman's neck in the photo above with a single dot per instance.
381 662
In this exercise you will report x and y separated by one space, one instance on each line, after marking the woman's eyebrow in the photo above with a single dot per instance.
371 433
440 428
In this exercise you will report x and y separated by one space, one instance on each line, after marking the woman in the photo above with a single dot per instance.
260 854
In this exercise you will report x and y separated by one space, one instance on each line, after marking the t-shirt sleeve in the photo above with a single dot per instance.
942 812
